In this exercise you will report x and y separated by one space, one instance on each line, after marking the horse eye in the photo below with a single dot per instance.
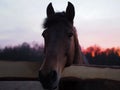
70 34
44 33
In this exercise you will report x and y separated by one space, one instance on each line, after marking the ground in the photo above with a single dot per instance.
20 85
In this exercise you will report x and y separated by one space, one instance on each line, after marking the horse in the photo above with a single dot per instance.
61 48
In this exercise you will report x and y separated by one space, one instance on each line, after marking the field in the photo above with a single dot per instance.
20 85
92 72
19 69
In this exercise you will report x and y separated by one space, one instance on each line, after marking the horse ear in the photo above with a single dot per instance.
50 10
70 11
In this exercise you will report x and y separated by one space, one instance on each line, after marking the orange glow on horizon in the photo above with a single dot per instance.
118 53
93 54
96 50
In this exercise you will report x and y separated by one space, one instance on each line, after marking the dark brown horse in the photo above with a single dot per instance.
61 46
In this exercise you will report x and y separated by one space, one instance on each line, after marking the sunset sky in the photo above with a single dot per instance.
97 21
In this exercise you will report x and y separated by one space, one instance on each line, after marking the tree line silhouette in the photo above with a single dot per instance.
94 54
23 52
98 56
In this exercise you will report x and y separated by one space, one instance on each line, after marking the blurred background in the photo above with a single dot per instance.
97 23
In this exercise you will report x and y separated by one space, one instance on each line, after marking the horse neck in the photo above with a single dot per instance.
79 57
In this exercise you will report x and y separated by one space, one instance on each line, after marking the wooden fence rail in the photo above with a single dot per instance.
90 78
73 78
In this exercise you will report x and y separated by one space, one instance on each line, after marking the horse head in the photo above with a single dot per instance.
61 45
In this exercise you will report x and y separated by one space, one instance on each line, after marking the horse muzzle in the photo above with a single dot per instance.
50 80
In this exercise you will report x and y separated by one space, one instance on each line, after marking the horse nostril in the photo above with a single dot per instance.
53 75
41 76
48 80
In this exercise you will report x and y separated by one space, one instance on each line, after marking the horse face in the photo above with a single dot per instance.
59 46
59 52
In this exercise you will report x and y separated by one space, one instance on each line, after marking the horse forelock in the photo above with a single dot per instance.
59 17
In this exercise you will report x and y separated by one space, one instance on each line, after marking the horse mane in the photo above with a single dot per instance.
79 57
56 18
